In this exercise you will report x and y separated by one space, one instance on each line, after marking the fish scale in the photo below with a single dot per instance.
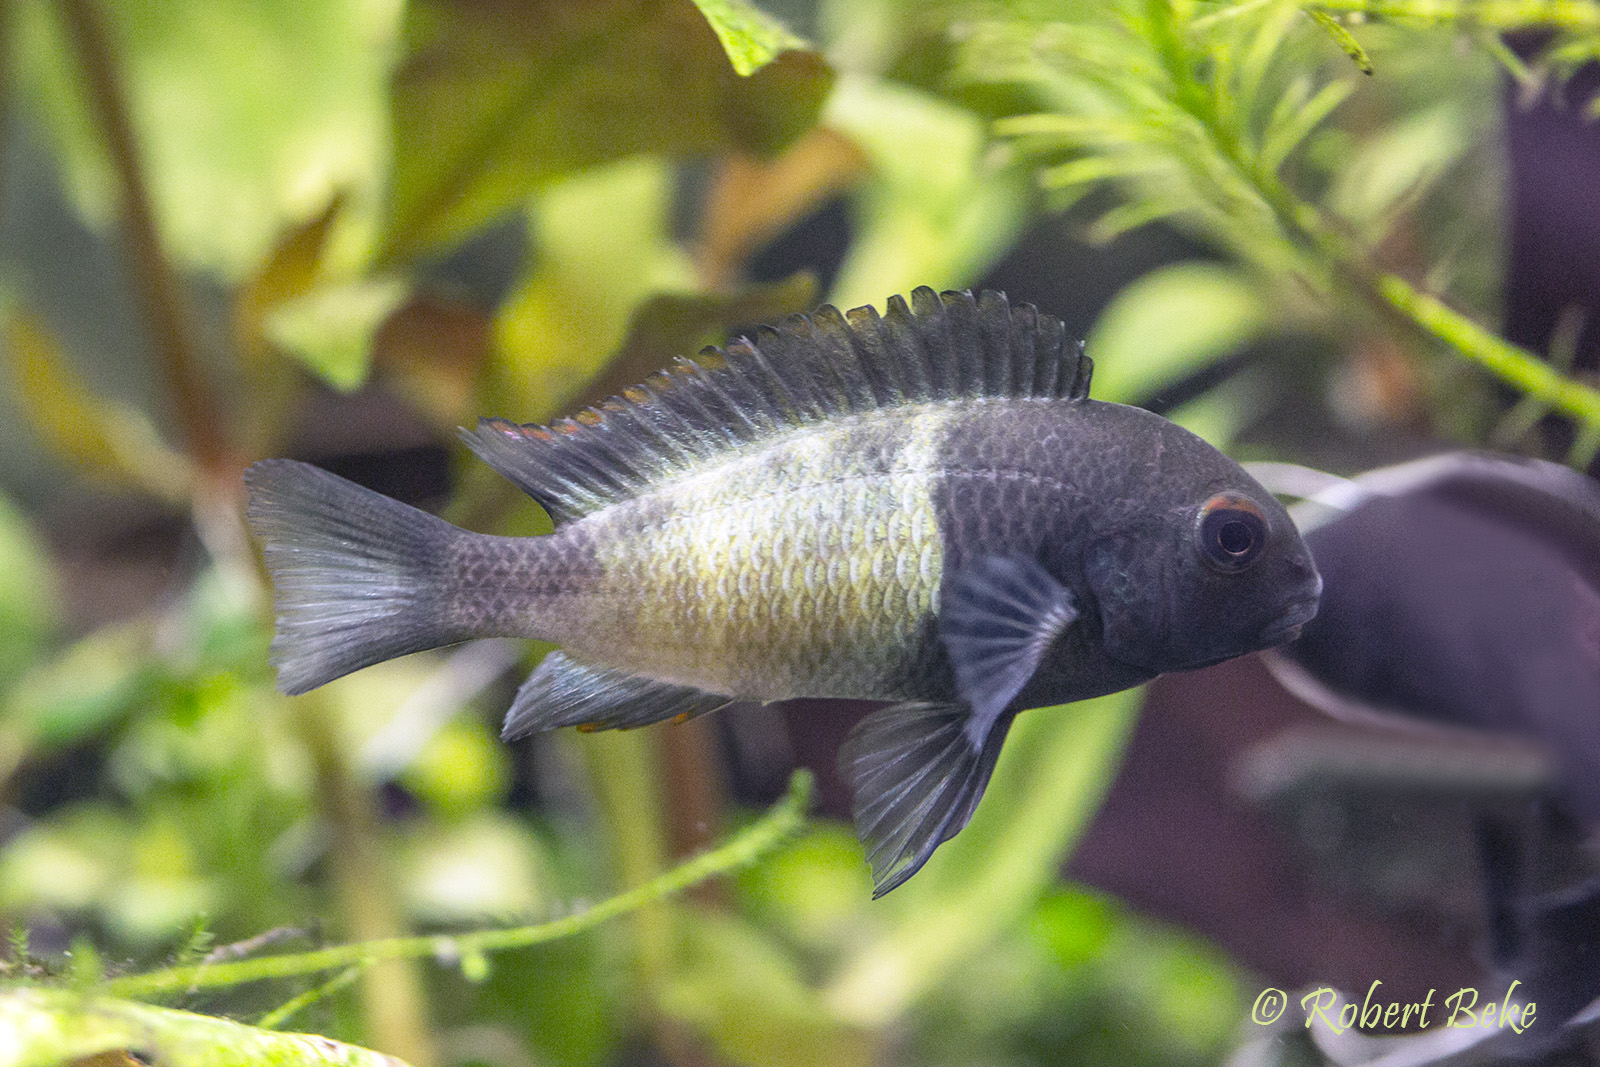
922 507
841 614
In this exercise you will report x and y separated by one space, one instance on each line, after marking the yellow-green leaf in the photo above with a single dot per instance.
1169 323
680 324
46 1027
494 101
751 37
331 329
250 114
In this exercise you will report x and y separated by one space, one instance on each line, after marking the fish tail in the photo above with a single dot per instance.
917 771
358 576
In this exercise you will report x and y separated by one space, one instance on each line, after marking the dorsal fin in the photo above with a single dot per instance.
943 346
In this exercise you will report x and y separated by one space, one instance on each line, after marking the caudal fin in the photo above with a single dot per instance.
356 575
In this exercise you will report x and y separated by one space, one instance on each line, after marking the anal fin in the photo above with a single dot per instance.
563 692
917 775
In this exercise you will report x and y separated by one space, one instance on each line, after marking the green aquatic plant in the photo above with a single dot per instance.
1206 114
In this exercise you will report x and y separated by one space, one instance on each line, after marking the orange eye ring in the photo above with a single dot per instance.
1230 532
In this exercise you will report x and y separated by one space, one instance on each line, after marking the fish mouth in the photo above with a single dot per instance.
1287 627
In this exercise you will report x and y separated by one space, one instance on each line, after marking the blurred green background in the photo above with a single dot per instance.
232 229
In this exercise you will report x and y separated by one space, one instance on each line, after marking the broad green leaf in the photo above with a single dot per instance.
65 865
751 37
159 890
47 1027
1181 992
331 329
561 327
936 210
289 271
745 993
433 349
1170 323
1056 765
816 892
752 201
137 877
250 114
495 101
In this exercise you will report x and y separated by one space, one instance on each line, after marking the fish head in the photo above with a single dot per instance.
1198 565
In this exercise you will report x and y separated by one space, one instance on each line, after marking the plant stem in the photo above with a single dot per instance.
1516 365
781 822
194 403
392 997
1495 14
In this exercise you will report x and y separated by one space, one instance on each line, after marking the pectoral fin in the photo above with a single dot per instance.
917 777
997 617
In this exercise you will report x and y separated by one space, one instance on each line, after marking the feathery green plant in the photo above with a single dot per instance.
1201 113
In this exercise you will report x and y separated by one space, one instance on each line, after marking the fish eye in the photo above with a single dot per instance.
1231 531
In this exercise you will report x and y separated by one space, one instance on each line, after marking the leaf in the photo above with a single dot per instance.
1056 765
485 866
815 893
331 329
250 114
562 325
1284 135
751 37
85 688
461 770
936 210
288 272
435 348
46 1027
1169 323
1397 164
111 439
1344 37
495 100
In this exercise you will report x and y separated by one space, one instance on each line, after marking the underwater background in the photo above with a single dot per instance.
1338 234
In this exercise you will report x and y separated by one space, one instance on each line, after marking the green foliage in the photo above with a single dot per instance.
1170 323
46 1028
1208 116
751 37
490 90
251 114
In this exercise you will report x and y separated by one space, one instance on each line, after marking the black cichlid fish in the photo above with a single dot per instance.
923 508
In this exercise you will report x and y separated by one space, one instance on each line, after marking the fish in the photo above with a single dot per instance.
921 508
